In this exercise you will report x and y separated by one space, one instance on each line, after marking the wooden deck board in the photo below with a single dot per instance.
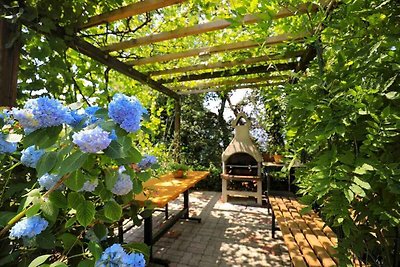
310 242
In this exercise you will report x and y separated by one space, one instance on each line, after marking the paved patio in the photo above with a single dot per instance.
237 233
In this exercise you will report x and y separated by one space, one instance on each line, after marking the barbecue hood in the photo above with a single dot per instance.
242 142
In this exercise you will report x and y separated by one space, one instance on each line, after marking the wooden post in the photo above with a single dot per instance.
177 131
9 60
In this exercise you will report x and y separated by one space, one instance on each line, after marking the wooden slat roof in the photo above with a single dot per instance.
155 50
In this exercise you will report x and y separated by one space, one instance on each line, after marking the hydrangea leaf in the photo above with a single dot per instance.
112 210
110 179
137 186
69 240
70 222
50 211
85 212
86 263
39 260
144 176
100 231
58 199
72 162
75 181
33 210
46 240
115 150
95 249
43 138
58 264
74 199
46 163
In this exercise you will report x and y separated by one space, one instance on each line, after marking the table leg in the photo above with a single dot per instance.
273 224
148 240
121 231
186 208
166 212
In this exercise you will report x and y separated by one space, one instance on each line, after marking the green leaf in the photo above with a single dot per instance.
43 138
75 181
58 199
85 212
137 186
143 176
39 260
70 222
5 217
349 195
74 199
33 210
100 231
115 150
49 211
69 240
363 169
111 178
46 163
361 183
112 210
58 264
95 249
357 190
86 263
46 240
73 162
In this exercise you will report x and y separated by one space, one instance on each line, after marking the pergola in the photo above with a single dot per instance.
192 70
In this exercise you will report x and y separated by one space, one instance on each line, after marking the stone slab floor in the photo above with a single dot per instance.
236 233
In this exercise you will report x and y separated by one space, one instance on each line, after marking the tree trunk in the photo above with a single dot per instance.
9 60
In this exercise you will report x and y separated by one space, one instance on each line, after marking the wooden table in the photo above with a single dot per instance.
159 191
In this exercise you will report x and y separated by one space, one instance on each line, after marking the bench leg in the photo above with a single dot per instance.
224 188
259 192
148 240
273 225
166 212
120 231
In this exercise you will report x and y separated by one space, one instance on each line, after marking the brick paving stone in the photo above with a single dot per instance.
229 235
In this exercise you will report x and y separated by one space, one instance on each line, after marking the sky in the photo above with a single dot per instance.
236 97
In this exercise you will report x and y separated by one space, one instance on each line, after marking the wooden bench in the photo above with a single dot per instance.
309 241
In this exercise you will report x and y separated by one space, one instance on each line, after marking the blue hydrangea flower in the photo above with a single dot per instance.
112 256
123 185
115 256
41 112
7 147
92 140
126 111
28 227
90 115
75 118
89 186
48 180
30 156
135 260
113 135
147 161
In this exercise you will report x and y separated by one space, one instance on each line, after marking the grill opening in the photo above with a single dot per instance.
241 164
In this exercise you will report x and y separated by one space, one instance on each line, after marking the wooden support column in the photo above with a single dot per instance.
9 60
177 131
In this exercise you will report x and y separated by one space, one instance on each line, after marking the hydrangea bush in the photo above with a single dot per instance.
67 178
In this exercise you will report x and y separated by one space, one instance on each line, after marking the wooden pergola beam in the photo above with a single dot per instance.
228 64
128 11
208 27
95 53
229 88
220 48
231 82
230 73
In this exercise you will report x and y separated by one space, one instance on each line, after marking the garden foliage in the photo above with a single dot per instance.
67 180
